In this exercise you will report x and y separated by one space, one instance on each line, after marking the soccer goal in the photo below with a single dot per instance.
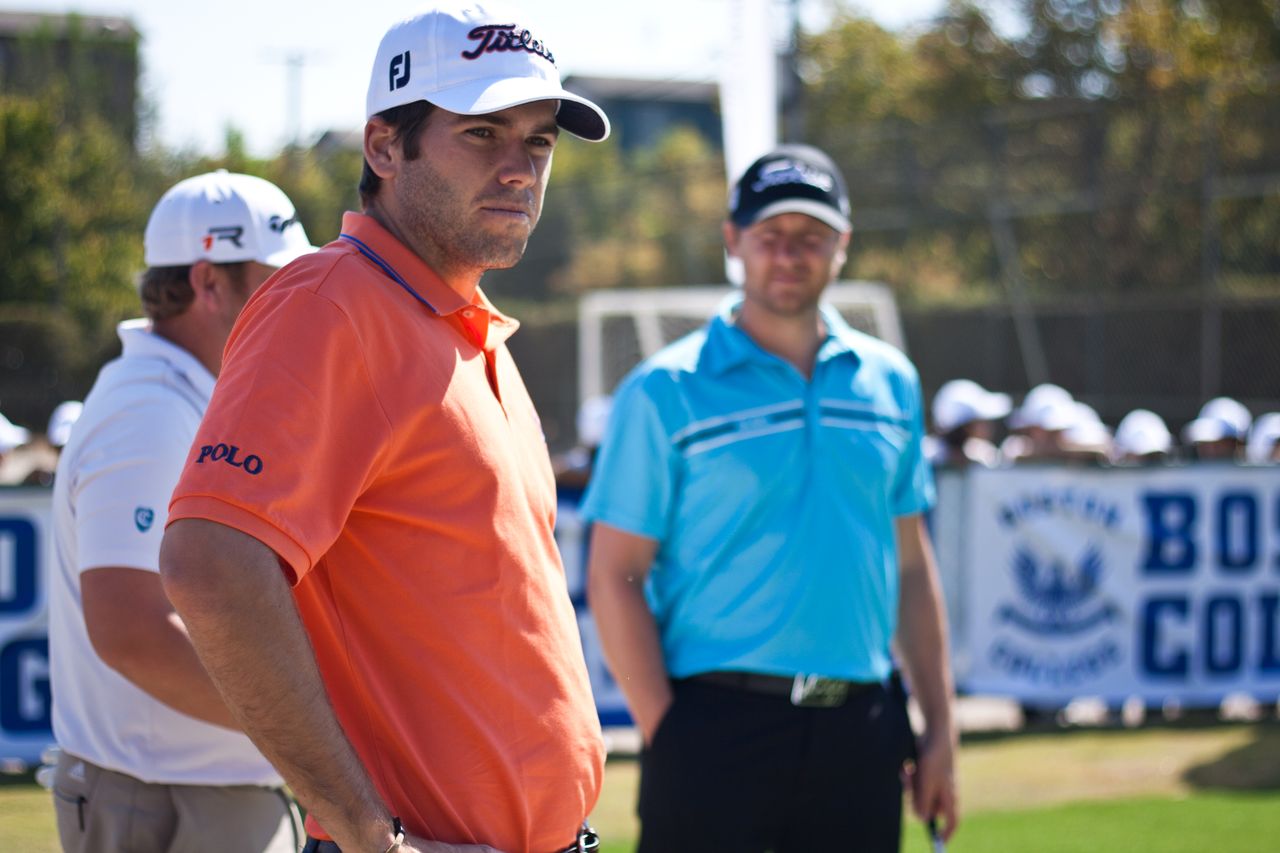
619 328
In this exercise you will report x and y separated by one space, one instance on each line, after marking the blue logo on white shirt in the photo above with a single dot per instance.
144 517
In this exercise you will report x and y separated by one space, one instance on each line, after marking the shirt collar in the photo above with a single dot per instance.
480 321
727 346
139 340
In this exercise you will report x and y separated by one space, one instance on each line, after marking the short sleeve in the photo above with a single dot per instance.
634 480
127 469
294 431
913 490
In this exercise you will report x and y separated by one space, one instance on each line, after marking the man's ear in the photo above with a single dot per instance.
731 236
381 149
841 256
203 279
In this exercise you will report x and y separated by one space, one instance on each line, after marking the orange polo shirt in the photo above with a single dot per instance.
370 427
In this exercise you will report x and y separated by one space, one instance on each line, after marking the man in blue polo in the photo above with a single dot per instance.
758 545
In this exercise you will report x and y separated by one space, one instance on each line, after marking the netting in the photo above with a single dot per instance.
620 328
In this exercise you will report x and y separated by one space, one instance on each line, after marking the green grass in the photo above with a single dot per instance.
26 817
1219 822
1165 788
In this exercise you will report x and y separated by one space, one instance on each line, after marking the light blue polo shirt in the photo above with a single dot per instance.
772 498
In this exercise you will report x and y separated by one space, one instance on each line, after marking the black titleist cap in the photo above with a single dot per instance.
791 179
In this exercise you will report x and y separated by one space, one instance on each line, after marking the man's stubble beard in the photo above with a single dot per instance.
437 214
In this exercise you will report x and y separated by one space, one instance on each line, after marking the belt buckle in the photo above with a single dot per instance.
814 691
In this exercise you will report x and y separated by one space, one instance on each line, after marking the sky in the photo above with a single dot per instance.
210 66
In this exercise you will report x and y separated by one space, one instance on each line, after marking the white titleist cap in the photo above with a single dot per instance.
1221 417
224 218
11 435
471 60
1088 432
1143 432
963 401
1263 438
1047 406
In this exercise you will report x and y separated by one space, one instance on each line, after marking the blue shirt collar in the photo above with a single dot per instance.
727 346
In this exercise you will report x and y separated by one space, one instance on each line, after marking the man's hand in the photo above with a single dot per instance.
922 642
933 785
650 719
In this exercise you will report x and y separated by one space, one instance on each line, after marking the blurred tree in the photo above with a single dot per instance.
69 209
1087 135
646 219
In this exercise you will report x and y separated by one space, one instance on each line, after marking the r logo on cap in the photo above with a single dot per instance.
230 233
399 70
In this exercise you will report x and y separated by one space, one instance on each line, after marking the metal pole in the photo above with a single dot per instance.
1210 256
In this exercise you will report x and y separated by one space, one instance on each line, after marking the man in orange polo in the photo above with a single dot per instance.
361 542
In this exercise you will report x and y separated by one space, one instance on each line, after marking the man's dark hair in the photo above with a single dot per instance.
166 291
407 120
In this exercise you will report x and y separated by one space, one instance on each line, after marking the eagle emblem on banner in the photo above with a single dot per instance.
1058 595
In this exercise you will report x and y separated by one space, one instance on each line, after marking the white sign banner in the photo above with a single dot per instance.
1155 583
26 543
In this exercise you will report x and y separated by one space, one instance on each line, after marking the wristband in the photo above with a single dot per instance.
397 831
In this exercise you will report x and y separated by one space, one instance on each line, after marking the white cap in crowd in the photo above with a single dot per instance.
222 217
1088 432
963 401
1141 433
1046 406
61 421
1221 417
11 435
593 420
473 59
1263 438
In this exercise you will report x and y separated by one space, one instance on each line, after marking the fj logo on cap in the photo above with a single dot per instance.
230 233
400 70
505 37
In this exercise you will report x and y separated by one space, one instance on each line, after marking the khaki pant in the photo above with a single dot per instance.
101 811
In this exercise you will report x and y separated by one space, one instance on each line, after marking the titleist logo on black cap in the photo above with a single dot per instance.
504 37
792 172
791 179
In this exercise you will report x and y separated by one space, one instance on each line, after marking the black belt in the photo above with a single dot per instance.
804 691
588 842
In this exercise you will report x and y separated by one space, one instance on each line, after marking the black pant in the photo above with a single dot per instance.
743 772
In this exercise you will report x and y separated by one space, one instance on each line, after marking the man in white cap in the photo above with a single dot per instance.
759 543
1264 440
362 542
964 416
151 757
1142 438
1219 433
1039 424
12 437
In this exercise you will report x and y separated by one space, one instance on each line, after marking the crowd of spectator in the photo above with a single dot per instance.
970 426
974 426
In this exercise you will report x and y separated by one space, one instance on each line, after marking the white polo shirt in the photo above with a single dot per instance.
110 502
